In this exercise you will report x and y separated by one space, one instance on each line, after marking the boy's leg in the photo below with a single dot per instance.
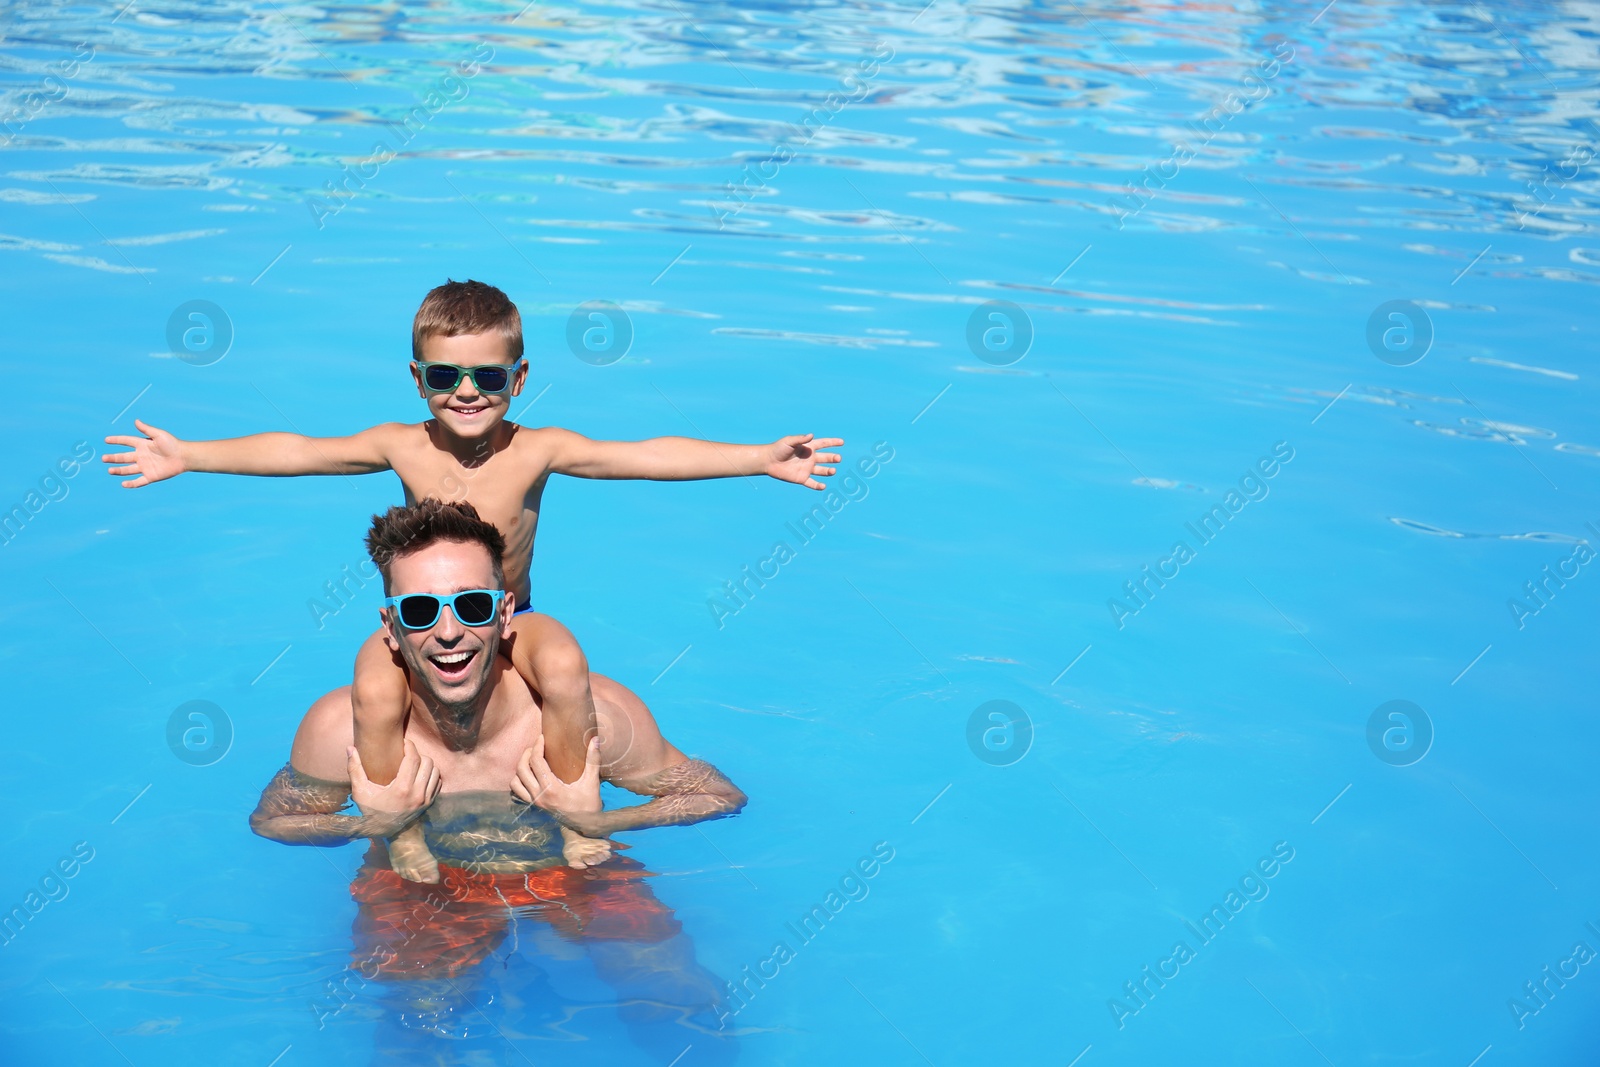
547 655
380 698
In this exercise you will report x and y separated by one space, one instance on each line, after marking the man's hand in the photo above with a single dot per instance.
537 784
575 805
388 809
796 459
155 457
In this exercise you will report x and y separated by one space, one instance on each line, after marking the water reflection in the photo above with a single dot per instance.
514 947
1103 90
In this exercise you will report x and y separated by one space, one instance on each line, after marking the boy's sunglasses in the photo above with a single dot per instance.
493 378
419 611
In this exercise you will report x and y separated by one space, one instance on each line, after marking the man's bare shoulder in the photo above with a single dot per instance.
631 744
322 743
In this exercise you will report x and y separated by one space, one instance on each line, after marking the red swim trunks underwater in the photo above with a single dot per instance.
417 930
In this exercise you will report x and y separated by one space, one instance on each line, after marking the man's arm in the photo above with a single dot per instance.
298 809
159 455
676 459
633 755
688 792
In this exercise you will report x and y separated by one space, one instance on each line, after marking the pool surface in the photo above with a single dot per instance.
1205 669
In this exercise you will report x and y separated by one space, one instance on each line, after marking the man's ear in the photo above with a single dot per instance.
416 376
388 630
508 608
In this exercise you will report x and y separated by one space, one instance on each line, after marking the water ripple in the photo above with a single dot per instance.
725 73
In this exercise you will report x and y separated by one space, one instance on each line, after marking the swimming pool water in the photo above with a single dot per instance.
1198 219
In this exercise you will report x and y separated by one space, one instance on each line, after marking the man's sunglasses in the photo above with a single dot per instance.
492 378
419 611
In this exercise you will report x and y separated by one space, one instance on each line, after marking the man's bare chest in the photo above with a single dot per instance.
486 766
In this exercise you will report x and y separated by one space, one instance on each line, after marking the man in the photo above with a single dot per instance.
472 739
473 725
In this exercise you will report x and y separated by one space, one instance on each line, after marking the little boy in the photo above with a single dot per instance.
466 347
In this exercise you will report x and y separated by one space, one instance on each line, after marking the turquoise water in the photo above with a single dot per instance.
1224 727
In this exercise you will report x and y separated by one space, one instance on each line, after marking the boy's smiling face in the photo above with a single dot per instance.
467 412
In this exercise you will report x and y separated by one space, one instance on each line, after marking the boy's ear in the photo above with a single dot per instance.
520 378
416 376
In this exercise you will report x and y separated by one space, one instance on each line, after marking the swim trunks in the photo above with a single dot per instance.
418 930
522 610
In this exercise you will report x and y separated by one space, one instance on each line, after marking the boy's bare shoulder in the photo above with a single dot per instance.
539 441
399 436
401 430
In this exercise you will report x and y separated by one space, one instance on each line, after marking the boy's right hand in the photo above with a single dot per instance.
155 457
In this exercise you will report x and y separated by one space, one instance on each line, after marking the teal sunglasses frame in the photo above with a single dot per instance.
440 602
510 370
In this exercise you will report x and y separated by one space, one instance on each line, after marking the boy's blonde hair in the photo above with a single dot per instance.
467 307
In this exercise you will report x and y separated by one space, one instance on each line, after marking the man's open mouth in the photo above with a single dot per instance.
452 666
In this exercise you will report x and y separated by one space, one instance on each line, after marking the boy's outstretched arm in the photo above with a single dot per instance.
158 455
674 459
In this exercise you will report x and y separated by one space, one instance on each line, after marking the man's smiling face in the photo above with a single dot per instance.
448 661
466 411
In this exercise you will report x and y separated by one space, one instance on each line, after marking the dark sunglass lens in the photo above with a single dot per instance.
475 608
491 379
419 612
442 378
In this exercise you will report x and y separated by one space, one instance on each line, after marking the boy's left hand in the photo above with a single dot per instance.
796 459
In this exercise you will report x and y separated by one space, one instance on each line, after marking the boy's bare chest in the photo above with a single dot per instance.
505 492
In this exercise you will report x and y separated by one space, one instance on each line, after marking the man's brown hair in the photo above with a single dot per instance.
401 531
467 307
